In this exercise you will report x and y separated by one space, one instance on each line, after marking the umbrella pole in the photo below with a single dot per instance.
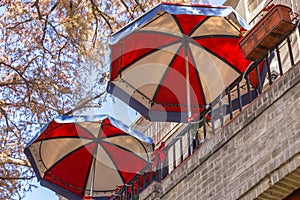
93 177
188 92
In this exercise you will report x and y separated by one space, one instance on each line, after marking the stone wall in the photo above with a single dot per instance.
251 156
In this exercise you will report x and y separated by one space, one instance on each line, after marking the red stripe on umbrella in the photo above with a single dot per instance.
88 158
126 163
188 23
169 94
137 46
225 50
70 172
202 48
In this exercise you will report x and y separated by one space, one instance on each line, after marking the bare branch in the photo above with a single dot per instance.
17 178
102 14
15 25
53 8
128 10
83 104
4 159
36 5
96 29
140 6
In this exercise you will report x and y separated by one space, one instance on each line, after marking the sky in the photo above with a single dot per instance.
115 108
40 193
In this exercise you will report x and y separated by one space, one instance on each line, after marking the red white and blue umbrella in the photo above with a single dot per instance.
173 61
87 155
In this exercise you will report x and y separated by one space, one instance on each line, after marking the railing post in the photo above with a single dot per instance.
181 149
152 175
259 85
166 165
221 114
138 184
230 103
126 193
290 50
268 68
212 122
248 87
145 178
204 128
174 157
158 170
239 96
196 140
132 191
190 143
279 60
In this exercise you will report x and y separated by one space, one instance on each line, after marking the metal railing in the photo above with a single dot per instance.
240 93
139 182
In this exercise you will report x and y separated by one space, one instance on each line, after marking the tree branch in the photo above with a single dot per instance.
140 6
4 159
103 15
14 25
83 104
36 5
96 29
128 10
16 178
53 7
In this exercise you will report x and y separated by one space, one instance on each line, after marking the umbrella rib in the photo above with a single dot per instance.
91 165
178 24
64 137
113 162
87 130
214 36
197 26
149 53
198 77
120 134
133 153
214 54
110 136
57 162
165 74
151 100
92 162
40 150
135 89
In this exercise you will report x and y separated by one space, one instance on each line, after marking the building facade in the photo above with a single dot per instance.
252 154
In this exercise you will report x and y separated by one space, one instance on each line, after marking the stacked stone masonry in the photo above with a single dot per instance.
255 156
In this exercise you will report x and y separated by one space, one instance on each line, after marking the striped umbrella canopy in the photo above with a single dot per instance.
173 61
87 155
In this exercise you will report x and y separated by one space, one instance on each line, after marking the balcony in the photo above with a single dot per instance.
248 147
